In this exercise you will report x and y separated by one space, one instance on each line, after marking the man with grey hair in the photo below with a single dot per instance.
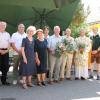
55 62
16 42
4 52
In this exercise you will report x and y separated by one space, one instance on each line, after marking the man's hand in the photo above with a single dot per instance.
19 52
52 51
99 49
94 51
2 52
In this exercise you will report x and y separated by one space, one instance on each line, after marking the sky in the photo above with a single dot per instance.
94 8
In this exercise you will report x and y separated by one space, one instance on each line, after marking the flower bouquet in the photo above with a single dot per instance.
70 48
63 47
60 48
82 47
69 44
65 41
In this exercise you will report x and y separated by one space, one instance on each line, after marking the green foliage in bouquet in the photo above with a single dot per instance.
65 41
63 47
69 45
58 50
82 47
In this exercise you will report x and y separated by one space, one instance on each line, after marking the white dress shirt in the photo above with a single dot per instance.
17 40
4 39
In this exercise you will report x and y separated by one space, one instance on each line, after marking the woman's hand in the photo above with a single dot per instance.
25 60
37 61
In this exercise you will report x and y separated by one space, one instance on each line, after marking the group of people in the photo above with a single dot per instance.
36 56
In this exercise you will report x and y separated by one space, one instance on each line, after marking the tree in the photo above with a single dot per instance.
79 19
61 3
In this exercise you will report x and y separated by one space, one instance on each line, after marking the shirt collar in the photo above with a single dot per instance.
56 36
67 36
96 35
20 33
83 36
3 32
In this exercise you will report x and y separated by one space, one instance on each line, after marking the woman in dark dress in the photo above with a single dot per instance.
41 50
27 64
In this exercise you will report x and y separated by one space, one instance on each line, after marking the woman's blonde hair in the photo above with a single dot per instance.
40 30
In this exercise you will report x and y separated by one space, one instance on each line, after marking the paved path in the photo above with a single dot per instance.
67 90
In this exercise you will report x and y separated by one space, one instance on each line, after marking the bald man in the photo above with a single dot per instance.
16 42
67 60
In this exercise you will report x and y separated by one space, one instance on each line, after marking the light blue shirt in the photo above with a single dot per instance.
53 40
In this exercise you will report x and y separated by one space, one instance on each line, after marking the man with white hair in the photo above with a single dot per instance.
55 62
81 57
16 42
4 52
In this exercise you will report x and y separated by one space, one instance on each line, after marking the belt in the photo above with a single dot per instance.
3 48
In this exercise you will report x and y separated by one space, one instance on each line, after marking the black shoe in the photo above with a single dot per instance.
76 78
43 83
98 77
90 77
39 84
6 83
56 81
82 78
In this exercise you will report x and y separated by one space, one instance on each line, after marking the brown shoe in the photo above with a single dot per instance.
30 85
68 78
61 79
